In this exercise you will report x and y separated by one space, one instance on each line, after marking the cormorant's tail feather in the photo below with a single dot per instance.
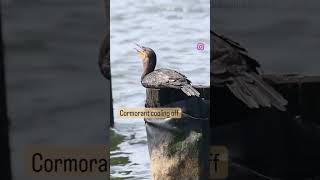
254 92
190 91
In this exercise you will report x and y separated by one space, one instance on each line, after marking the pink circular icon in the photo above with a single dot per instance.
200 46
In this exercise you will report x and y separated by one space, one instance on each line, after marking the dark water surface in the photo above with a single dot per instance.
56 93
283 35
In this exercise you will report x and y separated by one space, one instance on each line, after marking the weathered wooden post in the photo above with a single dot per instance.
5 164
178 148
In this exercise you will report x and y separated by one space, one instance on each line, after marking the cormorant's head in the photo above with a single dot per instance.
146 53
148 57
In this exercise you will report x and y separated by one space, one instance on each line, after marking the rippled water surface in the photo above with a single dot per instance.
172 29
56 94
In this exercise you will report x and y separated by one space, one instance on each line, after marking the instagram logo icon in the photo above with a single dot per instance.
200 46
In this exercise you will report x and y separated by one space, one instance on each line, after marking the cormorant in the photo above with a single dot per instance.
231 66
162 78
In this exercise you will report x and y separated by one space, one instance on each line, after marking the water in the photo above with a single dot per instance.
283 35
56 94
172 29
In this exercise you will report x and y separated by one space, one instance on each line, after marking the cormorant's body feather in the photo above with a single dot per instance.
167 78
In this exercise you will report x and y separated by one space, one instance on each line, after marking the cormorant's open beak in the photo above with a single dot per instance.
140 51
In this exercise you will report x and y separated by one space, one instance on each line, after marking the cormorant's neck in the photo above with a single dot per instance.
149 65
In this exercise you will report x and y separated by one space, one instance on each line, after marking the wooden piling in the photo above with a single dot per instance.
178 148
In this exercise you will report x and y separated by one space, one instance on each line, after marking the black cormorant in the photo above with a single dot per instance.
162 78
231 66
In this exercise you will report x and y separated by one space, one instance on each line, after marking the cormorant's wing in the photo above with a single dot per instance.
230 42
223 46
231 66
164 78
167 78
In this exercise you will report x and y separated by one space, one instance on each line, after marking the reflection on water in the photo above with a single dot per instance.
172 29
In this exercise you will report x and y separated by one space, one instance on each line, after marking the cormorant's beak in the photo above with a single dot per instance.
138 45
140 51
